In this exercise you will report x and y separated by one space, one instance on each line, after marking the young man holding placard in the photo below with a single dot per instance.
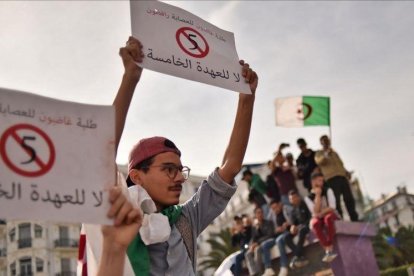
157 175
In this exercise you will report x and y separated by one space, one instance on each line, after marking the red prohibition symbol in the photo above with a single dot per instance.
21 140
186 40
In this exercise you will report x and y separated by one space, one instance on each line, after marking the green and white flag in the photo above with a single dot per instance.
302 111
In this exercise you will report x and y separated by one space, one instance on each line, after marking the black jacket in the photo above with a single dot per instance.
263 232
299 215
242 238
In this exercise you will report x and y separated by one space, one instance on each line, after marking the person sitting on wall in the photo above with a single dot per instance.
322 204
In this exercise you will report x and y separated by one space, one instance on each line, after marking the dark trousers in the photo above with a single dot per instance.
287 239
303 232
236 268
340 186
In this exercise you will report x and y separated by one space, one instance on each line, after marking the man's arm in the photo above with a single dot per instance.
116 238
234 155
331 203
320 157
318 210
311 206
130 54
317 201
213 195
127 219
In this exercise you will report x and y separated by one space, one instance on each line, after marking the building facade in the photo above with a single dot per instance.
38 248
393 211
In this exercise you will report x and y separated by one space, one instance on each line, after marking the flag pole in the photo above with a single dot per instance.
330 121
330 134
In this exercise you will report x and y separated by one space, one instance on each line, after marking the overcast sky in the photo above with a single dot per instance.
358 53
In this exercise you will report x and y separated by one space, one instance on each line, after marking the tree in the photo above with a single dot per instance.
221 247
393 250
405 238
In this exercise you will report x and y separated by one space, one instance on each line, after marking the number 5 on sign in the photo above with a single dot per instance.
29 148
13 147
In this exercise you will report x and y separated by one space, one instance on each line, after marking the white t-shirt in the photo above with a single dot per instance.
327 201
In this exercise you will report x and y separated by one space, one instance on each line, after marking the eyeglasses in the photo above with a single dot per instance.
172 170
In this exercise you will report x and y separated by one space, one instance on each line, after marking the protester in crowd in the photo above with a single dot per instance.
305 163
246 220
283 174
257 190
298 216
262 231
155 168
336 177
237 224
322 204
255 181
240 238
272 188
291 162
298 182
277 217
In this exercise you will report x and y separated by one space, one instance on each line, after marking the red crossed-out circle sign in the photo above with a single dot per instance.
30 143
192 42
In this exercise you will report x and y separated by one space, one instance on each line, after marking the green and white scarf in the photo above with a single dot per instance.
137 252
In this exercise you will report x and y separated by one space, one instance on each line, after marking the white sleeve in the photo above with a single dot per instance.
331 199
311 205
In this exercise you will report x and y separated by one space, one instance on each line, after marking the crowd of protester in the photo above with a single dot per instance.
290 202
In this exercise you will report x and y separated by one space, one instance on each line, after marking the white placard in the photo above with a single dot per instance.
181 44
56 159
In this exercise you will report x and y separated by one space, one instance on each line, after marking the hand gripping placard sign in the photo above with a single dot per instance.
56 159
181 44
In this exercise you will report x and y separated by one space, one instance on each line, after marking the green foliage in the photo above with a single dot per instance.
394 255
405 236
220 248
396 271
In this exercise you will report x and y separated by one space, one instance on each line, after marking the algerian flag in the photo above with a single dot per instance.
302 111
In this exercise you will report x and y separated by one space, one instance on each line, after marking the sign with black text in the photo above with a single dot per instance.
181 44
56 159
